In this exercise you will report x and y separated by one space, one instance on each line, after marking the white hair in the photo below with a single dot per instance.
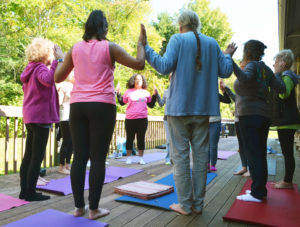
189 19
287 56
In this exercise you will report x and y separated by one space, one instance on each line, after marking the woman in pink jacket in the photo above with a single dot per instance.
40 110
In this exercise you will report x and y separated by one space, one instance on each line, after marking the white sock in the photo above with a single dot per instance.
248 198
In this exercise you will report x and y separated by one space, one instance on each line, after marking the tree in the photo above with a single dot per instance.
166 27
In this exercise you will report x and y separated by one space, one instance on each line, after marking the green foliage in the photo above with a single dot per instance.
10 93
62 22
214 22
166 27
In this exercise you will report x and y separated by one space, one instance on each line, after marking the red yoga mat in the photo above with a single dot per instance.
280 209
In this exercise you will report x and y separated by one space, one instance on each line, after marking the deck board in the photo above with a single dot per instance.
220 194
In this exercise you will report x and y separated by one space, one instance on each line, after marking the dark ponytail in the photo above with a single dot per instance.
198 56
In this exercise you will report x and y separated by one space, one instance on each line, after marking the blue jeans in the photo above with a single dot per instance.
184 131
214 136
167 158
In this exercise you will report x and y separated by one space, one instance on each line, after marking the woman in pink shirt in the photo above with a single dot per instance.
93 107
136 122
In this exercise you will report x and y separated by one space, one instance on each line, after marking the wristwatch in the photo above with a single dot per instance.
60 60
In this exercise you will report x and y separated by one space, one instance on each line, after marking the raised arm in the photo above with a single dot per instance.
249 73
118 54
63 69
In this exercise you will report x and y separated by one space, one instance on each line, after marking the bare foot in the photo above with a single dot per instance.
79 212
247 174
241 172
98 213
283 185
196 211
177 208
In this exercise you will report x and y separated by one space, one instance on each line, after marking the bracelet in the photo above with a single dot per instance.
140 44
60 60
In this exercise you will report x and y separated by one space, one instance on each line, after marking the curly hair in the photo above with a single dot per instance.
96 25
254 50
39 50
287 56
131 81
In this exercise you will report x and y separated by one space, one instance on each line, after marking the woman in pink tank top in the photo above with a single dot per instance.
93 109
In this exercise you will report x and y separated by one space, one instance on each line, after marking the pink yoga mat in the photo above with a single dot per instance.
8 202
55 218
224 155
281 208
63 186
152 157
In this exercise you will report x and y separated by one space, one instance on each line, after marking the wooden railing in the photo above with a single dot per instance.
12 145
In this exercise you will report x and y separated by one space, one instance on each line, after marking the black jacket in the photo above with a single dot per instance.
285 111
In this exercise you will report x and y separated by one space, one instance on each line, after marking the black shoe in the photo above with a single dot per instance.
37 197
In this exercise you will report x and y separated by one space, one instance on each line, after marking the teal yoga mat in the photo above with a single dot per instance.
164 201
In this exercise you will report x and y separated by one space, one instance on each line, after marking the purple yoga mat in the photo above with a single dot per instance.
50 218
152 157
63 186
224 155
7 202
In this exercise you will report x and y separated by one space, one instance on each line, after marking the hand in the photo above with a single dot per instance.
143 36
231 48
222 86
243 64
58 54
118 88
154 91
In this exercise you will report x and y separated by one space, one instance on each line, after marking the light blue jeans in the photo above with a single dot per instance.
214 137
167 158
184 131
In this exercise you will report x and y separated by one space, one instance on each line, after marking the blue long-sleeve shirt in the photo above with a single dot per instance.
192 92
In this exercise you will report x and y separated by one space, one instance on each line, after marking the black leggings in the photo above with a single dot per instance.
286 139
35 149
138 127
241 145
66 147
254 132
92 125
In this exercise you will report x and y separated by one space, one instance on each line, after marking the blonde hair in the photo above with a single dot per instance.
287 56
39 50
189 19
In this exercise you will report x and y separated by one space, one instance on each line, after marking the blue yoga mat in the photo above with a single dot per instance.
271 167
163 201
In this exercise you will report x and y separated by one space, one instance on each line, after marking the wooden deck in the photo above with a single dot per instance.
221 193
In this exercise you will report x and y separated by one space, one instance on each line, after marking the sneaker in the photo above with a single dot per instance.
119 155
37 197
213 168
113 155
128 161
168 163
142 162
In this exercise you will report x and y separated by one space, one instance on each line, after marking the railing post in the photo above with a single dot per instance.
15 153
6 156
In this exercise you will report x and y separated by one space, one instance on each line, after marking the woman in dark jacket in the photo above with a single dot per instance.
252 109
285 114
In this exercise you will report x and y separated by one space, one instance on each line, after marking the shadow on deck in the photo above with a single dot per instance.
220 195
